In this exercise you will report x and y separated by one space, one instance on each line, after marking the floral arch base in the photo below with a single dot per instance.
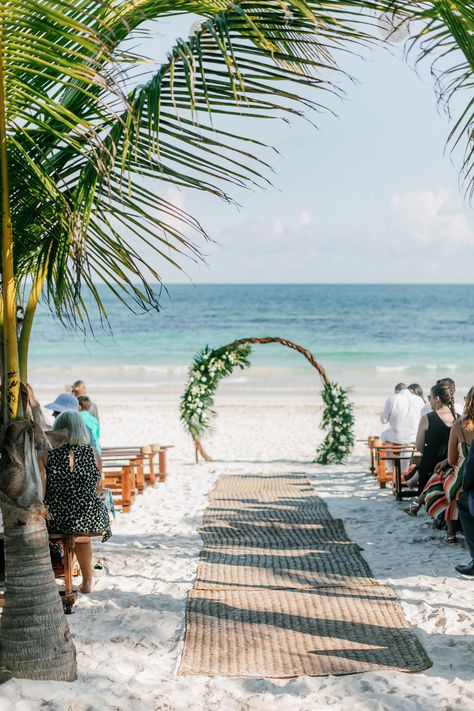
210 366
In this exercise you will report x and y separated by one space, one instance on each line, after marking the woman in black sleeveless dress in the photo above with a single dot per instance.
433 433
71 477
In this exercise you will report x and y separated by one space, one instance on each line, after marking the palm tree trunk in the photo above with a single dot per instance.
30 311
34 637
11 386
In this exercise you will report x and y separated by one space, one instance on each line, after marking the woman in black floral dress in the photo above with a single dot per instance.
71 477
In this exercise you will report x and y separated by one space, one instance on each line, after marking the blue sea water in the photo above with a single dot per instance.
366 336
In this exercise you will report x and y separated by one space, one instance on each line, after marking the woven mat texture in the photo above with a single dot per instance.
274 534
281 590
239 567
272 512
282 633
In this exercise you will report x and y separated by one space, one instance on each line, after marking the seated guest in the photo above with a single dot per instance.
451 385
402 413
92 423
71 478
417 390
441 493
67 402
79 390
64 402
466 512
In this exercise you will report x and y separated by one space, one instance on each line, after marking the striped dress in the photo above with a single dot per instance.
442 492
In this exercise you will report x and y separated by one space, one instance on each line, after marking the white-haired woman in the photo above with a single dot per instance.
71 476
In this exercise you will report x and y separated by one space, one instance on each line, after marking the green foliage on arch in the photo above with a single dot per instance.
210 366
338 421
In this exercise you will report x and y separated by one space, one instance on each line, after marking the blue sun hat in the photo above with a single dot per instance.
64 402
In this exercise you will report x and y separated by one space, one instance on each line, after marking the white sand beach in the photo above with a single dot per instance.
129 631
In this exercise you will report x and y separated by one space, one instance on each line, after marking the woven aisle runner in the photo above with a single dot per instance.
281 591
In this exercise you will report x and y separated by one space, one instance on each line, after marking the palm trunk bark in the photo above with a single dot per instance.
35 641
34 636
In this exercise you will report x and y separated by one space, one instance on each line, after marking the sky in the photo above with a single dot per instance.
370 196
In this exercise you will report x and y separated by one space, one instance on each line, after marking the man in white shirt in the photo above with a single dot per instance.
402 412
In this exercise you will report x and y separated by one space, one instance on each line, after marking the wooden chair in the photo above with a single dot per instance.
131 458
68 595
120 480
397 455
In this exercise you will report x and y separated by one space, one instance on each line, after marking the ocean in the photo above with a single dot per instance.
367 337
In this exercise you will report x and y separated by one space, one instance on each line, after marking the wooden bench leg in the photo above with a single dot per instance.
372 461
138 464
69 596
162 464
126 490
398 479
382 473
151 465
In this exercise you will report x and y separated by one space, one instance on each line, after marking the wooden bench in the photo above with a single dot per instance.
381 452
119 478
127 470
398 481
147 453
68 595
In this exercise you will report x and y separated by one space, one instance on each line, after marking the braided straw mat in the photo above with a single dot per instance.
281 591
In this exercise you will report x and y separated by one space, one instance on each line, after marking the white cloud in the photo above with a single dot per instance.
432 218
305 218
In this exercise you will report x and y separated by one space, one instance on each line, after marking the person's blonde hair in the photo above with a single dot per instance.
76 386
75 426
469 406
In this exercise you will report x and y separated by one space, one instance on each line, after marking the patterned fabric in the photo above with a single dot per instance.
71 496
442 492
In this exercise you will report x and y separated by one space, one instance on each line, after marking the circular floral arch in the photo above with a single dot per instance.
210 366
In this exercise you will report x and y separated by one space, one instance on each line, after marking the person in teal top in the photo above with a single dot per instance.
91 422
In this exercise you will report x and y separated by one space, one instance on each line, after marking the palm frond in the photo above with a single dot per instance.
442 34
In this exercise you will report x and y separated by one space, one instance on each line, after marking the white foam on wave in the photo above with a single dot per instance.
163 369
391 368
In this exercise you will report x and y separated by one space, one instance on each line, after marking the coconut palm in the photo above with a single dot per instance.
87 147
441 33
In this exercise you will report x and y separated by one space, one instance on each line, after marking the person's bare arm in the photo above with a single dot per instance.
386 412
421 434
453 444
98 462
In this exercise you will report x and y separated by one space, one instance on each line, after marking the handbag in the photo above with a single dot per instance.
106 496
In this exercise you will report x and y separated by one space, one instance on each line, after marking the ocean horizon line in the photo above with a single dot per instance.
293 283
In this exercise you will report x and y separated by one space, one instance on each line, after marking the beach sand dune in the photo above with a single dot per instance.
129 631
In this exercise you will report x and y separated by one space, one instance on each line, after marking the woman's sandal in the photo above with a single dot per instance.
413 509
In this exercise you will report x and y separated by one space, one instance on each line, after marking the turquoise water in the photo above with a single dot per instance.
365 336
